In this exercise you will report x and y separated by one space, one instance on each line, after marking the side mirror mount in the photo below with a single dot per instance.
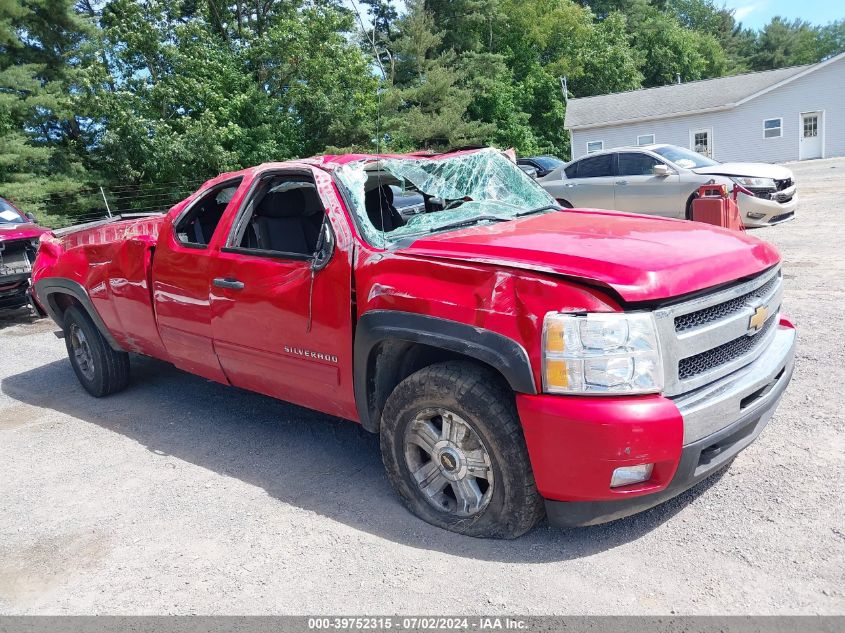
661 170
31 217
325 247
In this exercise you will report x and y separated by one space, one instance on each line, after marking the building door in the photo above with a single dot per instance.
701 141
810 141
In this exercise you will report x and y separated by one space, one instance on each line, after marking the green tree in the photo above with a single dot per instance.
40 136
429 103
670 51
783 43
545 40
187 92
832 39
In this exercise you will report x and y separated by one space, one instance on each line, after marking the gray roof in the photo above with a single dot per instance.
672 100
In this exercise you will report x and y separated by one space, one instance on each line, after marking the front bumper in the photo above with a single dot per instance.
13 289
576 443
766 212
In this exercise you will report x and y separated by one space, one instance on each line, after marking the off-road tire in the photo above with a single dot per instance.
108 371
487 406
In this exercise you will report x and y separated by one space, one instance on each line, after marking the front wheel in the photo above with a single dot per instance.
99 368
454 452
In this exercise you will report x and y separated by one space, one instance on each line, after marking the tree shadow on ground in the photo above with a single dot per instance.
300 457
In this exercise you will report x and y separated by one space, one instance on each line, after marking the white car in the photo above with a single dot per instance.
664 179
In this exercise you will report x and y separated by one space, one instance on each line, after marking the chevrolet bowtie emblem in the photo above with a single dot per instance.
758 318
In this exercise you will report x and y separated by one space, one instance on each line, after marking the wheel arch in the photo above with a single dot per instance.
57 294
391 345
688 207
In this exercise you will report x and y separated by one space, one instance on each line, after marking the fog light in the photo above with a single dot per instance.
628 475
756 216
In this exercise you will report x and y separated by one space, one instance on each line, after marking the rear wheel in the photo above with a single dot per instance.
454 452
99 368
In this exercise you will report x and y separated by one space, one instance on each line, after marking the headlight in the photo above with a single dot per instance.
757 183
601 353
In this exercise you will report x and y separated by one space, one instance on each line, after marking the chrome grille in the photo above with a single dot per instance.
725 353
722 310
709 337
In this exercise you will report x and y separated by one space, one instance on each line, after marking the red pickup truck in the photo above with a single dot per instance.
516 359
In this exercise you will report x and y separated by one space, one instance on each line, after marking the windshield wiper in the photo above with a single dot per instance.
548 207
468 222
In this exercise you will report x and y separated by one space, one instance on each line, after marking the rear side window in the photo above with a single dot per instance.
595 166
196 227
636 164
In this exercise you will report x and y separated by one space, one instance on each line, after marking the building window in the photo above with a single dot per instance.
645 139
594 146
701 141
772 128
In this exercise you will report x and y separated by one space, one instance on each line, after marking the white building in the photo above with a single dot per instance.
773 116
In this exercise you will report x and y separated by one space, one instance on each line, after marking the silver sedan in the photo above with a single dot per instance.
664 179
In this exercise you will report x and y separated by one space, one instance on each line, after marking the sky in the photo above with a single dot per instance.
757 13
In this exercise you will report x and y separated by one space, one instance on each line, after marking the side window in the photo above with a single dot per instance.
284 216
636 164
596 166
571 171
196 227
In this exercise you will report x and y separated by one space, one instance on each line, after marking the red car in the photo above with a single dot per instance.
516 359
18 245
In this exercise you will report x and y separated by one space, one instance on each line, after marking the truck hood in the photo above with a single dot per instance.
20 231
642 258
752 170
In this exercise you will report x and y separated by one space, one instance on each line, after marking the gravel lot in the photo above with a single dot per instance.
183 496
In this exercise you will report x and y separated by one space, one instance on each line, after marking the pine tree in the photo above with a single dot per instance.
429 104
41 140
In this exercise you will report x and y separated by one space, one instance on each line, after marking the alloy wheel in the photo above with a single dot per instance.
449 462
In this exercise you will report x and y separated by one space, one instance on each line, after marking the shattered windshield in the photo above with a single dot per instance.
458 191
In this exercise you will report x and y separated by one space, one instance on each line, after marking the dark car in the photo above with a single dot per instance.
18 245
543 164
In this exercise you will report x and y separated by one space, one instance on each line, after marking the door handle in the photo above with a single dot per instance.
231 284
621 182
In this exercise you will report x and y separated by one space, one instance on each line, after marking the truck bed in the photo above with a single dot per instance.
112 260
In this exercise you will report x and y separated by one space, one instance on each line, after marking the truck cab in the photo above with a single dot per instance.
517 359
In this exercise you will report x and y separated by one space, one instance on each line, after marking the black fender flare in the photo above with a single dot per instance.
46 289
498 351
